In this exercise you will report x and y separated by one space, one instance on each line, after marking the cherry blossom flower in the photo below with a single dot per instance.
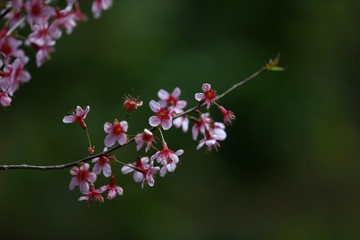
43 34
112 189
17 76
199 125
102 164
208 95
5 100
210 141
66 19
81 177
171 101
92 195
77 116
9 46
167 158
142 138
228 115
131 103
217 129
143 169
42 54
99 5
116 133
182 122
38 12
162 117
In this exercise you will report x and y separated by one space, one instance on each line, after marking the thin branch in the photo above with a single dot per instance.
105 153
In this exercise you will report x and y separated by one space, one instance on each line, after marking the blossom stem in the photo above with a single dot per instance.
162 136
88 137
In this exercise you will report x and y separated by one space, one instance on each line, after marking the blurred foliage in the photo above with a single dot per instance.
288 169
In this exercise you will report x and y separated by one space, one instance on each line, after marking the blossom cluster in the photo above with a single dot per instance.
42 22
168 111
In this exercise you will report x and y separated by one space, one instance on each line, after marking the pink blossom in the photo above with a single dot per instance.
116 133
143 171
5 100
131 103
81 177
172 100
102 163
210 141
42 54
162 117
9 45
167 158
228 115
78 116
16 74
142 138
43 34
112 189
199 125
92 196
38 12
99 5
208 95
217 129
66 19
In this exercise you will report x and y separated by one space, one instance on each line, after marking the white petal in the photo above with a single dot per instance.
126 169
97 168
181 104
91 177
124 125
179 152
84 187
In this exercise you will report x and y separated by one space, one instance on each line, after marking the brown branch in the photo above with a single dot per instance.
86 159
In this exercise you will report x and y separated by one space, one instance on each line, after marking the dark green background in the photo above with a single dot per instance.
289 168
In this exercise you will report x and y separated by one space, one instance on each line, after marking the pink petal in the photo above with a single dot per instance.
110 140
119 190
163 171
92 177
69 119
124 125
73 183
179 152
199 96
97 168
167 123
206 87
154 121
177 122
122 138
138 177
181 104
83 198
155 107
195 132
84 187
108 127
155 156
85 166
111 194
107 170
79 111
202 142
163 95
126 169
176 93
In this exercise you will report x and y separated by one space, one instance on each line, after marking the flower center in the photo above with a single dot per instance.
210 94
163 114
